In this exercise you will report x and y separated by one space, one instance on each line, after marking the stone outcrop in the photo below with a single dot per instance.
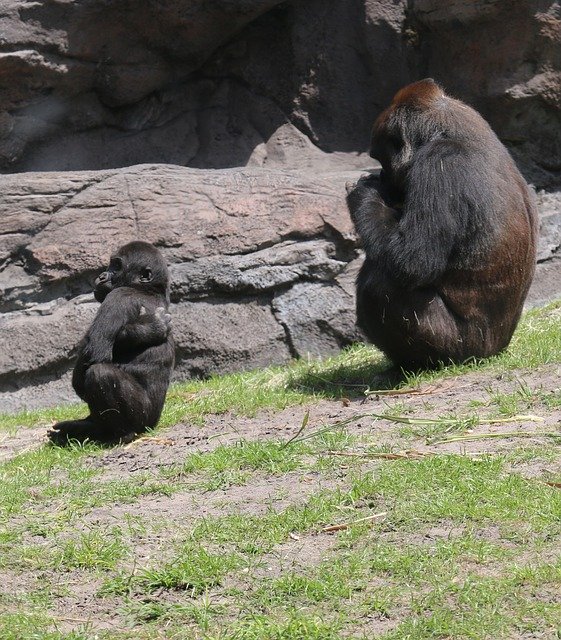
104 83
262 265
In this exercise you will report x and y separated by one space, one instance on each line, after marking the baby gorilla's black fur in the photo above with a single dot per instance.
126 358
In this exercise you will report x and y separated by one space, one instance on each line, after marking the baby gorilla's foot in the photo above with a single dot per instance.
65 433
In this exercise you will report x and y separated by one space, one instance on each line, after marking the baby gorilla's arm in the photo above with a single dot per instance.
147 330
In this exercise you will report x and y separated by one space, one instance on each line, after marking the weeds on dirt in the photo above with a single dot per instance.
416 514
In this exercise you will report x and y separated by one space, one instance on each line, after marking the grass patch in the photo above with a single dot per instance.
270 457
91 550
193 569
297 627
468 548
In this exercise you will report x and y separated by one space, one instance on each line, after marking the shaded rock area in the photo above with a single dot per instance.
263 258
262 262
101 84
262 265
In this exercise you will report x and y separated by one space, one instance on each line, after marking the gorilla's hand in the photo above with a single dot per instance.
162 321
147 329
367 199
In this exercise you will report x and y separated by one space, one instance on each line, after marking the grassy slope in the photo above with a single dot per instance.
495 572
537 341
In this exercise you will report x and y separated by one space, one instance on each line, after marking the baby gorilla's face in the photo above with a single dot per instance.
109 279
137 265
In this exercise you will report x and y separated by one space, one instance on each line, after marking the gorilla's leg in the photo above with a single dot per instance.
414 328
116 400
119 408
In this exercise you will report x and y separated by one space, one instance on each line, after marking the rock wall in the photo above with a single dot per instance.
262 265
263 258
95 84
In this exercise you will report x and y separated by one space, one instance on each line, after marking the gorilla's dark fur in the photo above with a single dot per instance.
449 230
126 358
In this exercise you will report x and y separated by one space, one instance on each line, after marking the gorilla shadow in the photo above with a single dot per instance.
349 379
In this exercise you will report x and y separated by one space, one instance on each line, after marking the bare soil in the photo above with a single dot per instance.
79 600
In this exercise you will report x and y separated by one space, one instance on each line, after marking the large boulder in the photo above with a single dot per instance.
262 265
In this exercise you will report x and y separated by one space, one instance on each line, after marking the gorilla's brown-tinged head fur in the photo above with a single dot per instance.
419 114
403 127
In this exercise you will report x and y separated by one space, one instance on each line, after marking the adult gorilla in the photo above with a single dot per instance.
126 357
449 230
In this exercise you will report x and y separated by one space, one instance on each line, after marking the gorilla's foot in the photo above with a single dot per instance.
65 433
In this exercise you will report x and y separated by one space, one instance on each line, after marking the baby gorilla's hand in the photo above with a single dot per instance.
163 320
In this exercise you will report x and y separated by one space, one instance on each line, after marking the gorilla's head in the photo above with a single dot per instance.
417 115
138 265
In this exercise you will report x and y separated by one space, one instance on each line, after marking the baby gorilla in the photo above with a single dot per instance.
126 358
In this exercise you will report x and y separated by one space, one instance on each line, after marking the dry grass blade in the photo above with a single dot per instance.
305 420
517 418
415 391
451 422
455 421
346 525
320 432
155 439
401 455
503 434
409 454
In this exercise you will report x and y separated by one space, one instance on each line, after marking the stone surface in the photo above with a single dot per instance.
547 281
103 84
261 261
504 58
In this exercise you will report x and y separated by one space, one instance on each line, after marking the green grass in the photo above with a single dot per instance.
468 548
192 568
91 550
537 341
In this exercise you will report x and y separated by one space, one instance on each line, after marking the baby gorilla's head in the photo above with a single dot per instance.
138 265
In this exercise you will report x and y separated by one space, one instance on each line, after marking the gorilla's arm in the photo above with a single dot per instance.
79 372
117 311
372 215
148 329
414 248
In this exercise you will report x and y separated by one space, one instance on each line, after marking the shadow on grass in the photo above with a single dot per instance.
349 379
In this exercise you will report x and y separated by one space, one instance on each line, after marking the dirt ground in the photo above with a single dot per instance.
449 397
79 602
